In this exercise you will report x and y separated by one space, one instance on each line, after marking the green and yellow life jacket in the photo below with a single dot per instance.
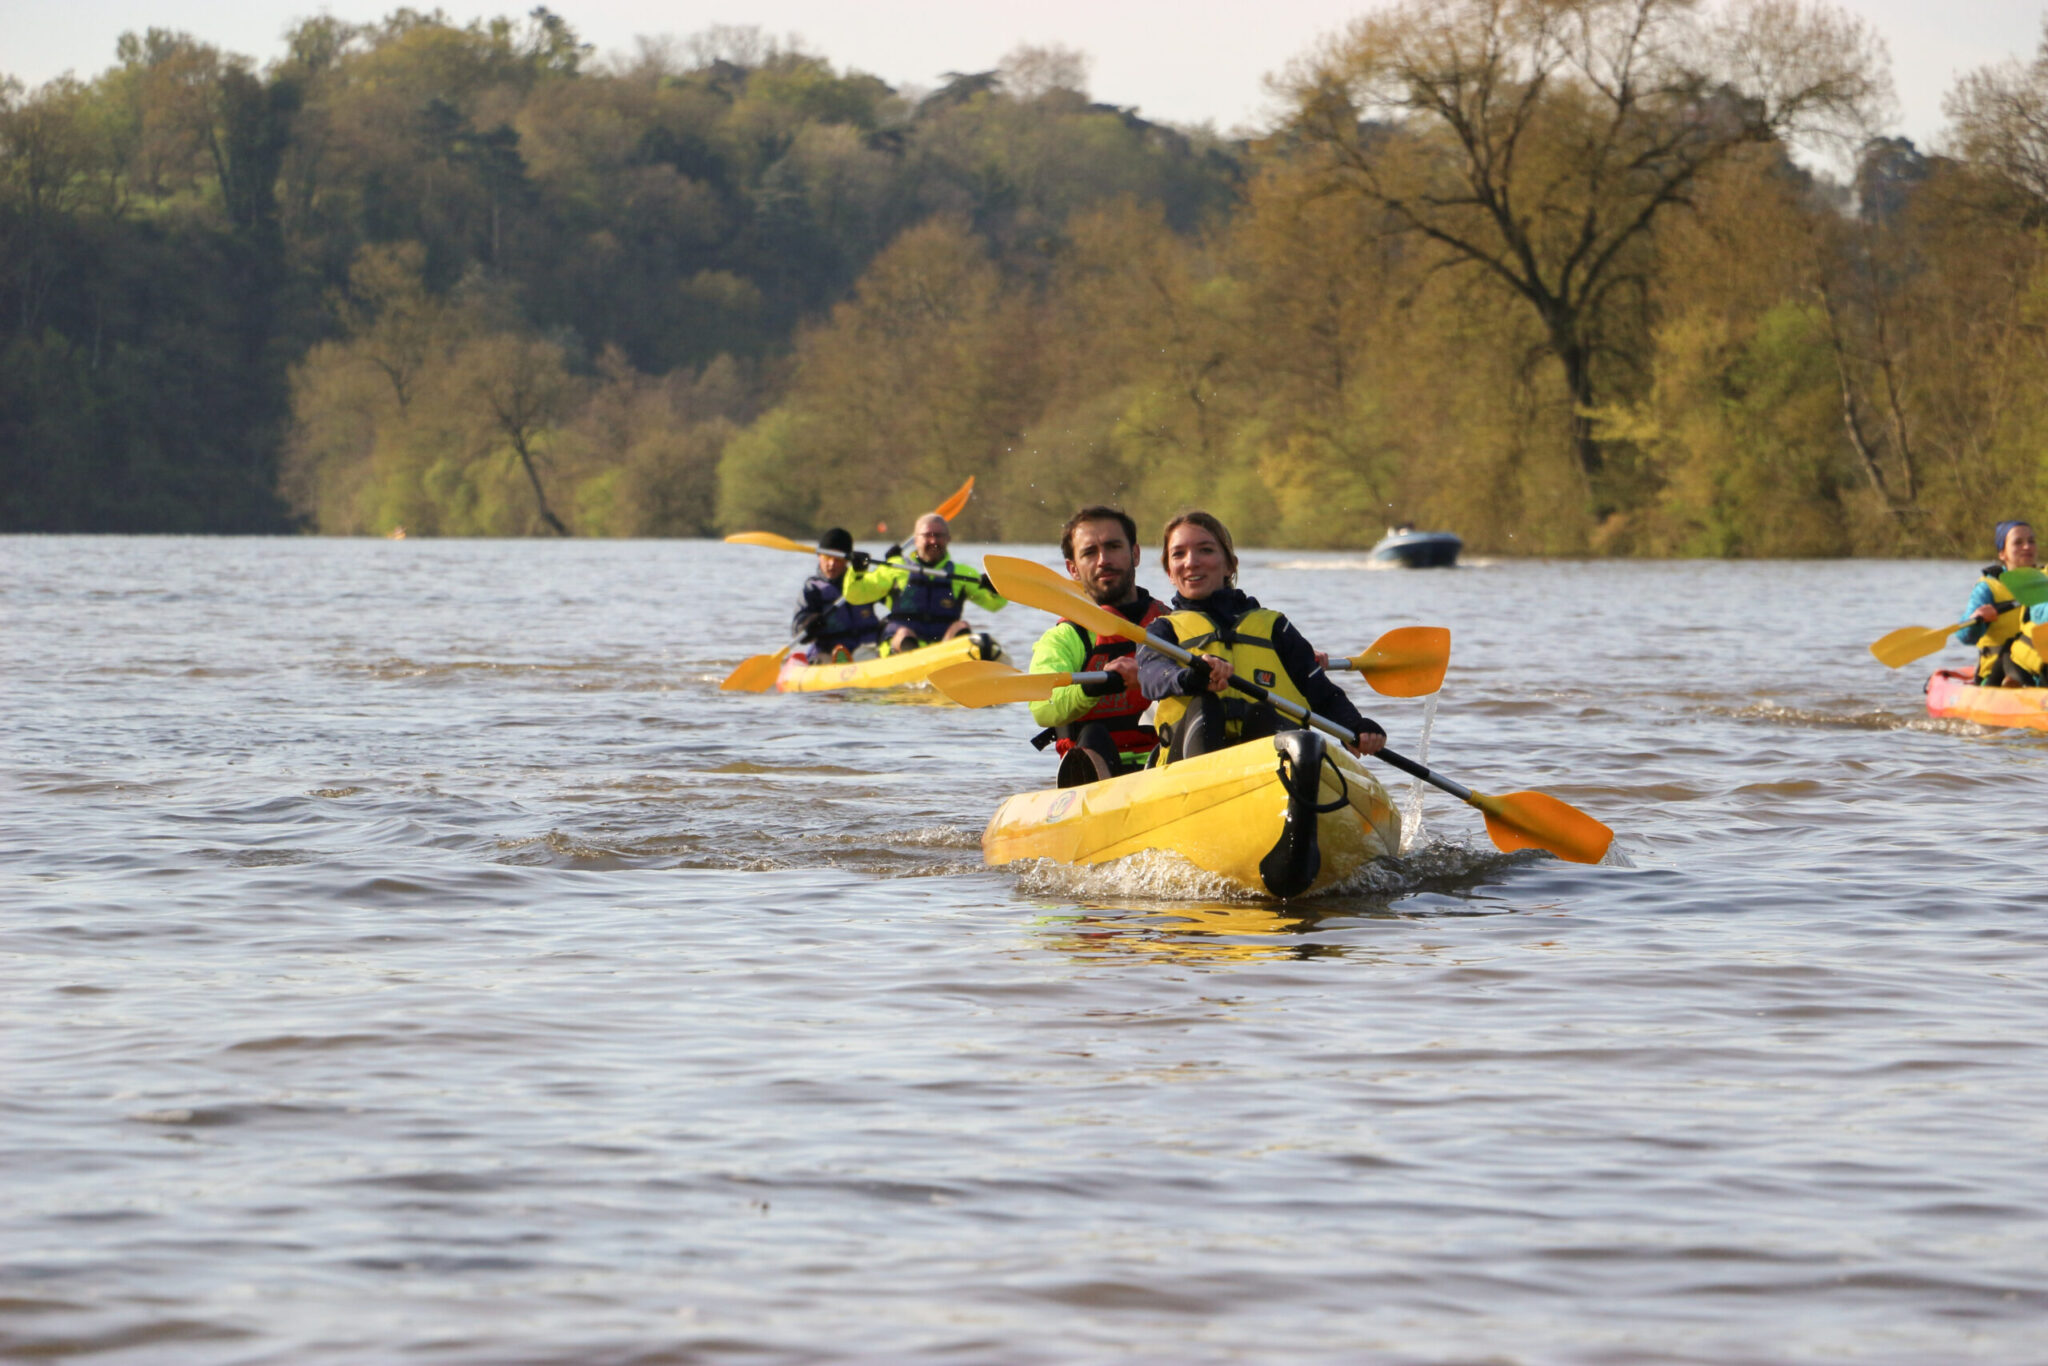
2004 635
1248 645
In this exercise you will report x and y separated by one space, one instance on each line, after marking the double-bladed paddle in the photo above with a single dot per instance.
770 541
1408 661
1896 649
949 509
1519 820
2029 588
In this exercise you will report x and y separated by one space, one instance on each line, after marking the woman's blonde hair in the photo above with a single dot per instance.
1208 523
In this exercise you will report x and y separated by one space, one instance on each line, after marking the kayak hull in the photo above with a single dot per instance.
890 671
1249 814
1956 696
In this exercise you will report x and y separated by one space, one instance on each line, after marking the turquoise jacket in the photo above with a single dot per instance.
1980 596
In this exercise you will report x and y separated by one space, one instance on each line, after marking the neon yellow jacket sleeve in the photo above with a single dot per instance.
1061 651
985 598
872 584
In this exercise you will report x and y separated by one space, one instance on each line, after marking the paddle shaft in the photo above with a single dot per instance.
1321 723
919 571
768 540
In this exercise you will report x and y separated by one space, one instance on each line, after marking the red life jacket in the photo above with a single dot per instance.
1119 710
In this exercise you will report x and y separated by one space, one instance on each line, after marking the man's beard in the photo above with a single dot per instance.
1116 592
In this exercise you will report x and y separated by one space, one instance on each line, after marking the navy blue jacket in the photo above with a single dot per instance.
828 620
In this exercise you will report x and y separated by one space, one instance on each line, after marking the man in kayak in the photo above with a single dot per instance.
926 590
833 627
1994 620
1231 636
1096 727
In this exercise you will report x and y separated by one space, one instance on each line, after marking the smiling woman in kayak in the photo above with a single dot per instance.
1231 636
1994 620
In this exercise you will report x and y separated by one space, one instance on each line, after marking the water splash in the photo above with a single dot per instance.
1149 875
1435 866
1411 811
1159 875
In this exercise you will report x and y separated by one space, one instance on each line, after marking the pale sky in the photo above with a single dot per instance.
1177 61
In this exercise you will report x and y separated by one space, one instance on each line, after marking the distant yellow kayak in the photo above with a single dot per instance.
890 671
1284 817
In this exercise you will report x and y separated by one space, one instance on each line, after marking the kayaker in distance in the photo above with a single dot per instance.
1096 727
833 627
1992 622
927 590
1230 635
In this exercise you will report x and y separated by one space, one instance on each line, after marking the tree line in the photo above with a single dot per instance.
1557 274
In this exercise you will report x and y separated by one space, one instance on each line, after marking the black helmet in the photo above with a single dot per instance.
836 542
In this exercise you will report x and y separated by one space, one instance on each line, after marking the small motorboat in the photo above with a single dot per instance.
1406 548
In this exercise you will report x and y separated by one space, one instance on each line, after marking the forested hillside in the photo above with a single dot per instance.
1551 273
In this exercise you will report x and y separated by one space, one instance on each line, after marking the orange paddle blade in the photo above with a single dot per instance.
1537 820
1408 661
771 541
756 674
1034 585
988 683
1901 647
957 504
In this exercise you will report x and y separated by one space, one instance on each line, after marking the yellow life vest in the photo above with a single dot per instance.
1249 647
2006 634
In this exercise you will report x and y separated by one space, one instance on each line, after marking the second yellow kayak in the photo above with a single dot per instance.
890 671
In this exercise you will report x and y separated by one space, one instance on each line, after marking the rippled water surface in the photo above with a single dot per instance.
409 954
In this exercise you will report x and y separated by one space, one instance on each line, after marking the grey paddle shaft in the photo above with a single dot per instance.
907 567
914 570
1321 723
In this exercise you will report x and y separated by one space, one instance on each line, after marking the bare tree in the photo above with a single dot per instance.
1032 73
2000 117
524 394
1542 140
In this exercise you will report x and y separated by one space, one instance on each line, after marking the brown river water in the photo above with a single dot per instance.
408 954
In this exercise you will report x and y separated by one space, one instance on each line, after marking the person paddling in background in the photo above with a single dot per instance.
1096 727
1995 619
833 627
927 590
1231 636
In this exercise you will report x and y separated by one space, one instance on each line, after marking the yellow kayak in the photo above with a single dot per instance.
890 671
1285 816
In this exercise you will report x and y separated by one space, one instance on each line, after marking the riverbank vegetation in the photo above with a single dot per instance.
1557 274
